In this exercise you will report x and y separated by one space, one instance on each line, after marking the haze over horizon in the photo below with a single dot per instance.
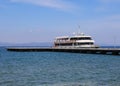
26 21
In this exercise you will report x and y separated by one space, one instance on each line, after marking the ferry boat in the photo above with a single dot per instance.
79 40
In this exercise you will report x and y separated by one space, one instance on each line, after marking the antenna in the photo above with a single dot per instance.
78 33
79 29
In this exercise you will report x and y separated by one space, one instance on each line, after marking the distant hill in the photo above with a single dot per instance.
27 44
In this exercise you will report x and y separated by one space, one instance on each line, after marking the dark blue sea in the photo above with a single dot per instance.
58 69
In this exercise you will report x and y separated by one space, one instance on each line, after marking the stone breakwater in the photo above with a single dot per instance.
107 51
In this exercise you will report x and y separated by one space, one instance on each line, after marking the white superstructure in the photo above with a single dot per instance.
77 41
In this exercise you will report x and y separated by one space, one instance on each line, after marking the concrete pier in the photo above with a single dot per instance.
107 51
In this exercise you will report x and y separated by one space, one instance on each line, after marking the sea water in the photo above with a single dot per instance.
58 69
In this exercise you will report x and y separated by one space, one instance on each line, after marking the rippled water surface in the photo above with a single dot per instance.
58 69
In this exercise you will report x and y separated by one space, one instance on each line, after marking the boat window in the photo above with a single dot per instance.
85 43
62 39
81 38
85 38
74 39
63 44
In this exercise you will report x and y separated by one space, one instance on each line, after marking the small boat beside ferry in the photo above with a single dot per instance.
79 40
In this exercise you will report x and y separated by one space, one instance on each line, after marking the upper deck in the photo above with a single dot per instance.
76 38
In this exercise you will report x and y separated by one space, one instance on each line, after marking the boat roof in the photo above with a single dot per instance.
77 36
62 37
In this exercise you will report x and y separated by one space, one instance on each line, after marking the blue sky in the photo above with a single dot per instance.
24 21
